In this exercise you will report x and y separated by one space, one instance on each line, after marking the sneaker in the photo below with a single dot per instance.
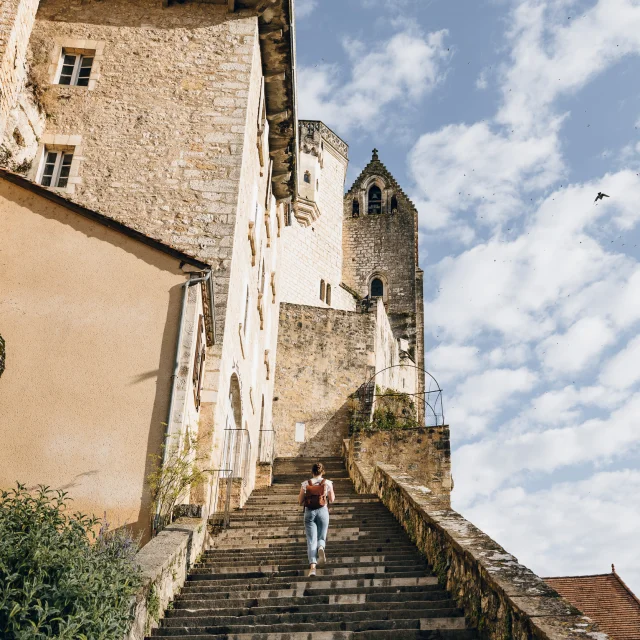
322 556
312 572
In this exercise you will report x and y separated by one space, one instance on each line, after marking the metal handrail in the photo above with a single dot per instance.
366 395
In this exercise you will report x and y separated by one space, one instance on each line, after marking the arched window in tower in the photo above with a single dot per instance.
375 200
394 204
328 297
355 208
377 288
307 177
322 290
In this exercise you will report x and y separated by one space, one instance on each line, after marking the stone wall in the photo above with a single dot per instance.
21 123
163 157
314 252
424 453
394 369
324 355
385 246
165 563
500 597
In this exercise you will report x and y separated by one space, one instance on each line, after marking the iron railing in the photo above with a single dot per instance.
431 395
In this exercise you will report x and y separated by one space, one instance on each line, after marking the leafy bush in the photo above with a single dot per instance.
58 577
173 479
394 411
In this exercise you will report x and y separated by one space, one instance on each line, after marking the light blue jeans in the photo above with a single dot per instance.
316 523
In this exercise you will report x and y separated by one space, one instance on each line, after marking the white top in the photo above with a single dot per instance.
317 480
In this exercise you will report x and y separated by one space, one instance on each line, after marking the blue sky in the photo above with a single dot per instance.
503 119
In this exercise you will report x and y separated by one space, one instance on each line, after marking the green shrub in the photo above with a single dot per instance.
58 577
394 411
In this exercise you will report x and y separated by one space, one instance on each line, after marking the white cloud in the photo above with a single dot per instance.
303 8
474 168
623 370
400 70
490 168
552 56
571 351
482 468
544 291
482 396
450 361
528 286
548 526
481 81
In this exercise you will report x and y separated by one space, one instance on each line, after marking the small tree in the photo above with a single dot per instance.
58 577
173 478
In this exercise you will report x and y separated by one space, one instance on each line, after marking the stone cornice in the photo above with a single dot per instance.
277 47
313 130
306 211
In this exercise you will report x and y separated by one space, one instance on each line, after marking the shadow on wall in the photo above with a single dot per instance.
328 434
117 430
159 418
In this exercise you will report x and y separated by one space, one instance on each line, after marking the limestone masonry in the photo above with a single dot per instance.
186 279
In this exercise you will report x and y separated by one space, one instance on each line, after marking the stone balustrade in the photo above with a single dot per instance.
165 563
501 598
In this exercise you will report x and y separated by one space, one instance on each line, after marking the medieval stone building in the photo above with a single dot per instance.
178 122
182 274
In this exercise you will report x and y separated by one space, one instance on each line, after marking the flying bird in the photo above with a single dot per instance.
600 196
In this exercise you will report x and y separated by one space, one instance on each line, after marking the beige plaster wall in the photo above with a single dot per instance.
90 320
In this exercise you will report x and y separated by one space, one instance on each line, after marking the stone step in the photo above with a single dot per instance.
325 570
295 525
302 584
378 597
365 537
443 634
300 563
205 590
393 624
252 584
199 619
333 560
298 550
191 607
223 580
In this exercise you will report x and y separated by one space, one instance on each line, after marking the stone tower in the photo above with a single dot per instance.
380 248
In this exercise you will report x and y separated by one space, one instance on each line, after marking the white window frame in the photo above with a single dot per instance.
77 66
58 166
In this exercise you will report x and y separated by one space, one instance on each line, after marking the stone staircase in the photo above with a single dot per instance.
252 584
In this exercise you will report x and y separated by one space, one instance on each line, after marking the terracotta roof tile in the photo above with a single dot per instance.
606 600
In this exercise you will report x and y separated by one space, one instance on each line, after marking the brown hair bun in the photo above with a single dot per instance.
317 469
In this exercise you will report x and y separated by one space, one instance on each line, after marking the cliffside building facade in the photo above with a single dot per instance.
174 124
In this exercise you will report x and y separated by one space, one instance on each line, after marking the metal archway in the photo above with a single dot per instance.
431 394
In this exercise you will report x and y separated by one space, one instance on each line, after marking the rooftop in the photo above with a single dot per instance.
605 599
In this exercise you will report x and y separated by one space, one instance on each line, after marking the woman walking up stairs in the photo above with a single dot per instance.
252 585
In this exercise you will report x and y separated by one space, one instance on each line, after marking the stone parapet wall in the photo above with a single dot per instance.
424 452
165 563
500 597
